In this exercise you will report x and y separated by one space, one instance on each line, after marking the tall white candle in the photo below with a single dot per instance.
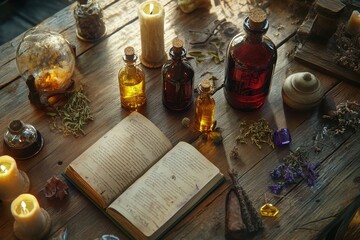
151 17
12 181
353 25
31 221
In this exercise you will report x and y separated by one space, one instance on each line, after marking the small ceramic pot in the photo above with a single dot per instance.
302 91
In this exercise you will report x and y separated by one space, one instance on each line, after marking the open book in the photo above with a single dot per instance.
140 180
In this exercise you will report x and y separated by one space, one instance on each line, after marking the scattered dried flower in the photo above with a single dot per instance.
296 166
346 116
259 132
56 188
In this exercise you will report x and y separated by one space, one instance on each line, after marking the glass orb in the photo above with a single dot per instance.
48 57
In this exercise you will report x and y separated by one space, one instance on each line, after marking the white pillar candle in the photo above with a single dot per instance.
31 221
353 25
12 181
151 17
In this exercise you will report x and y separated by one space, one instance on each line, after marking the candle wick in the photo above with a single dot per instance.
3 169
24 210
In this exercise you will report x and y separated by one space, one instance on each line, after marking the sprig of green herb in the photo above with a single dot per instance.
71 118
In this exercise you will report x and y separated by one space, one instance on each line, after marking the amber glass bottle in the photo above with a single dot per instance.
178 79
131 82
250 62
204 108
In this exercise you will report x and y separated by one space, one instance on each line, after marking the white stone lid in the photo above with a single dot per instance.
302 90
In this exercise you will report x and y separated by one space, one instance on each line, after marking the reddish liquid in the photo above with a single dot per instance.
178 96
178 82
248 73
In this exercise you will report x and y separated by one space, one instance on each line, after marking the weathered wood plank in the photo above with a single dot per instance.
256 179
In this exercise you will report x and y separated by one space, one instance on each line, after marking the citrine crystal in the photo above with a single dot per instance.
268 210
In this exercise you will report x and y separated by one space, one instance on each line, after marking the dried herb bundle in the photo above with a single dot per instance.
250 216
71 118
259 132
346 116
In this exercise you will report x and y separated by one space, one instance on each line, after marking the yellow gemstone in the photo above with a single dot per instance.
268 210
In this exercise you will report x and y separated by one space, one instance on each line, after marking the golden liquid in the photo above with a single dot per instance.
132 88
52 79
204 113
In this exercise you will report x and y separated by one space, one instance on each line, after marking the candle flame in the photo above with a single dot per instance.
24 210
151 8
3 169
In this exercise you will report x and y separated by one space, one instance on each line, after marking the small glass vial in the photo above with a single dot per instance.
204 108
250 63
131 82
90 25
178 79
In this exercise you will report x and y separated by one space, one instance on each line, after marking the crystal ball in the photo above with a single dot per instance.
48 57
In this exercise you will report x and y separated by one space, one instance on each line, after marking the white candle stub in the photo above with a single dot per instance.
12 181
353 25
31 221
151 17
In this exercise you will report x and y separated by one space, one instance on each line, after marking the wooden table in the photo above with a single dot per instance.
304 211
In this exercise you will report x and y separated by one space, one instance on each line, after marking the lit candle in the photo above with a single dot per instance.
12 181
31 221
151 17
353 25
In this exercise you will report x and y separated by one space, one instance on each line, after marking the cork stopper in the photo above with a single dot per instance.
205 85
177 45
129 54
257 18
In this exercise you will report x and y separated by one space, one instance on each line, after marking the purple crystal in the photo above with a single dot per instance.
282 137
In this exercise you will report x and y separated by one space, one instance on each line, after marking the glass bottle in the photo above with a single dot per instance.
178 79
131 82
90 24
250 63
204 108
20 135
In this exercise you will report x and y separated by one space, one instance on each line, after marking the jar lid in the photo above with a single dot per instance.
302 90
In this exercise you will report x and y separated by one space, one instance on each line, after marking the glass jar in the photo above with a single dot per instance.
90 25
131 82
250 63
22 140
178 79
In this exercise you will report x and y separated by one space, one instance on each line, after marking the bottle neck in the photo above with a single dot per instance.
255 35
177 55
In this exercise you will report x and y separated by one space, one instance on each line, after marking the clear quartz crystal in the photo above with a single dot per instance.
20 135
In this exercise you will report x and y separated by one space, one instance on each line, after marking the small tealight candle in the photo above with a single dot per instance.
31 221
151 17
353 25
12 181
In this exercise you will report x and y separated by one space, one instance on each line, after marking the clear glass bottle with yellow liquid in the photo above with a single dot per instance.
204 108
131 82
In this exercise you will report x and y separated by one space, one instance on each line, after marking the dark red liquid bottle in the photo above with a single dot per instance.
250 63
178 79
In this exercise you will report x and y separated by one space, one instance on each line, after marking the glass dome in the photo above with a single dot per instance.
48 57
